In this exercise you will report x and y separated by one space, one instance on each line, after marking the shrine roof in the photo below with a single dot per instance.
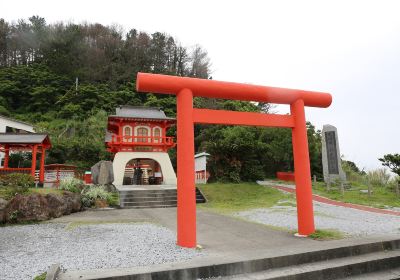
24 138
136 112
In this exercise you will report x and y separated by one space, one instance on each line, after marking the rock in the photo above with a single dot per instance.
3 205
73 202
102 173
31 207
365 191
57 205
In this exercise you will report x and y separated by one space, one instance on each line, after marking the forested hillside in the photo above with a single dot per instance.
65 78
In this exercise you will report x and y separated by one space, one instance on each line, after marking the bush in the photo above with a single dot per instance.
379 177
17 180
12 184
41 276
90 195
71 185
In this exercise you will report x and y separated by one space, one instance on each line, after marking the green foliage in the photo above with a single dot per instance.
237 197
381 197
39 86
92 193
326 234
392 161
71 184
251 153
15 183
17 180
378 177
41 276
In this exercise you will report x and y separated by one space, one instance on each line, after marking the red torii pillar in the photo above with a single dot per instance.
186 88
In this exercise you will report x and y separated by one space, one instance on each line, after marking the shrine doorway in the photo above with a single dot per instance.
142 171
154 165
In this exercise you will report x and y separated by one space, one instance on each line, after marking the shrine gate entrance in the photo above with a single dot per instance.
186 88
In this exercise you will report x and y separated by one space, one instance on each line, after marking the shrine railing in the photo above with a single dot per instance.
142 140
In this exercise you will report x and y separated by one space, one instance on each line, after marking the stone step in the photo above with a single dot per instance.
337 262
332 269
149 206
148 198
152 196
389 274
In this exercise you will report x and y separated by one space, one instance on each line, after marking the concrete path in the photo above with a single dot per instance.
215 233
291 189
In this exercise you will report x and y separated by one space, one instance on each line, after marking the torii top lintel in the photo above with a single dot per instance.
157 83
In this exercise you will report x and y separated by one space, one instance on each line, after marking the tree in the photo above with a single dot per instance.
392 161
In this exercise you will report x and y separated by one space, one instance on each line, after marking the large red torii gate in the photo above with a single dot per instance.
186 88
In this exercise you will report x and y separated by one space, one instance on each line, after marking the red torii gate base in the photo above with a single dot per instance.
186 88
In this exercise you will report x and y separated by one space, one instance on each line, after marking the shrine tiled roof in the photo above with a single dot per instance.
24 138
140 113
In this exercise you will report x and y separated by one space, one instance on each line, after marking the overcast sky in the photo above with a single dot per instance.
350 49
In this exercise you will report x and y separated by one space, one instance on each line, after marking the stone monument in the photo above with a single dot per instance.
102 173
331 162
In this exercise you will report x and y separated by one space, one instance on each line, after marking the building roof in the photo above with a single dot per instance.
17 121
24 138
135 112
203 154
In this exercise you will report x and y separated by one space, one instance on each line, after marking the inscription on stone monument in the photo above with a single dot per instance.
331 150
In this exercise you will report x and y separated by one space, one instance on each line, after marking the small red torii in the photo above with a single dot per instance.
186 88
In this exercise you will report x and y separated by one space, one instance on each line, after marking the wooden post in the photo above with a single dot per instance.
33 166
369 188
328 184
315 178
42 159
342 188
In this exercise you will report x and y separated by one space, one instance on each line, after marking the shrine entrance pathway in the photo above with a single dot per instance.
220 236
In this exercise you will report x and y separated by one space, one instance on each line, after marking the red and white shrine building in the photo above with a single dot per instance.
137 136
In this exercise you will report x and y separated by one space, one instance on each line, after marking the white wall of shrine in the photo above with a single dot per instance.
122 158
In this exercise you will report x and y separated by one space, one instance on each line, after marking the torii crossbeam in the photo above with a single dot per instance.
186 88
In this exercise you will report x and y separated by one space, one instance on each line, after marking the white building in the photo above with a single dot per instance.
13 126
200 167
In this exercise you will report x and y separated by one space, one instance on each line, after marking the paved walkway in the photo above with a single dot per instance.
291 189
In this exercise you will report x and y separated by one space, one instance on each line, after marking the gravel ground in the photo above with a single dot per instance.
353 222
26 251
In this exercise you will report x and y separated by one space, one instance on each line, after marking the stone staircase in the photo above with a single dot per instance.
371 260
152 198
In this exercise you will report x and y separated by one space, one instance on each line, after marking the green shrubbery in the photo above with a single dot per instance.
14 183
93 193
17 180
71 184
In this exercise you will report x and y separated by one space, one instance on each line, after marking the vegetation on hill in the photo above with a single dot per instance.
65 78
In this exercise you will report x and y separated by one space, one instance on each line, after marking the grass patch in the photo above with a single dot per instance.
8 193
45 191
380 198
41 276
229 198
326 234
